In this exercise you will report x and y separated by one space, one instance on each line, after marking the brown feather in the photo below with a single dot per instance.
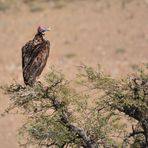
34 58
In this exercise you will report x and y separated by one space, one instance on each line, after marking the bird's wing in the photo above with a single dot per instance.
26 53
36 61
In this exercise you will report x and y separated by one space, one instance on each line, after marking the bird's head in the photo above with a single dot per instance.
42 29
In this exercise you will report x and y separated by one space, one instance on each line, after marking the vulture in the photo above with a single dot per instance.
34 56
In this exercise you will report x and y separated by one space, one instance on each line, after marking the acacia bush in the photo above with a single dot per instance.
130 96
86 113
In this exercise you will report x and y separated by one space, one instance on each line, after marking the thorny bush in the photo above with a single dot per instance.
86 114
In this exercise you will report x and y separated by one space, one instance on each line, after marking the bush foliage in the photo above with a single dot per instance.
88 113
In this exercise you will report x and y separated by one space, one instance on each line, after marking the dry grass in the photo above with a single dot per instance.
38 5
34 5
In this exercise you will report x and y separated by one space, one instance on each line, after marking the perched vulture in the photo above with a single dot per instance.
34 56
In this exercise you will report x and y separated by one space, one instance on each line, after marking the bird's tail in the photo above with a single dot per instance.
28 80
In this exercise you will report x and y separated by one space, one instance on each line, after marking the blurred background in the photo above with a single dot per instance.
112 33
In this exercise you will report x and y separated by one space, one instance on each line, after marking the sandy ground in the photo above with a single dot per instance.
88 32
